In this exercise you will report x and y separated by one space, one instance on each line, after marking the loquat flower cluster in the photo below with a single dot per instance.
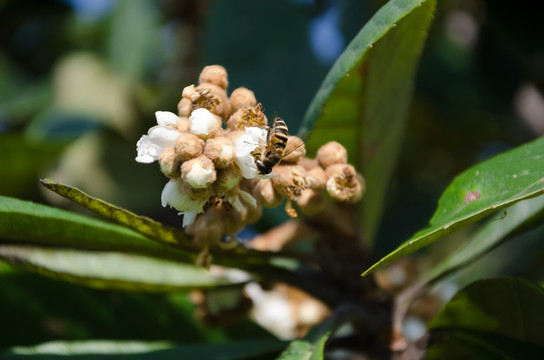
209 151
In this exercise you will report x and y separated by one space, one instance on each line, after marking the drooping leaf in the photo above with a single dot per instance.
312 346
363 101
155 230
492 234
141 224
112 270
39 224
495 316
479 191
144 350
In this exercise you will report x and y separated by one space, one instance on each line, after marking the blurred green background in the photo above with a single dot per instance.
80 81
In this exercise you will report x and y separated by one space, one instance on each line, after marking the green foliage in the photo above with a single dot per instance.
496 318
489 236
26 221
111 270
354 104
481 190
140 350
141 224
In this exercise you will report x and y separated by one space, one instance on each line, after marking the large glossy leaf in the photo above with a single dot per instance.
479 191
501 317
112 270
29 222
491 235
142 350
362 102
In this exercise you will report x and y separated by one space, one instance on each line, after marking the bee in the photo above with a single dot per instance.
276 141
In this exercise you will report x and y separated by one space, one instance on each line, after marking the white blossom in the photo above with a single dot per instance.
202 121
173 195
245 145
198 177
158 138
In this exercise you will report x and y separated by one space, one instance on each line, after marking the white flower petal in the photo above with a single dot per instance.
247 166
173 195
189 218
198 176
259 134
226 152
166 118
147 150
246 144
202 122
163 136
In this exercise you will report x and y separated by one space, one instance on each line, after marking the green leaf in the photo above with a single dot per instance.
470 344
141 350
29 222
112 270
495 316
56 349
312 345
161 233
142 224
491 235
479 191
363 101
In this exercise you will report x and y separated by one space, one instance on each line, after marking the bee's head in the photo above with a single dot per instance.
263 170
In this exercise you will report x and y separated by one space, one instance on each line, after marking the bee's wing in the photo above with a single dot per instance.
304 137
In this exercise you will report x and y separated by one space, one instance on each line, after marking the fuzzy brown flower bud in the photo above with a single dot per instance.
170 163
214 74
196 193
307 163
242 97
205 96
331 153
247 116
221 151
214 98
185 107
265 193
233 135
183 124
294 149
316 178
310 201
227 179
188 146
207 227
344 183
198 172
290 180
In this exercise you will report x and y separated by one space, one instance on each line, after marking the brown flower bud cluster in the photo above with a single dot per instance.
305 181
209 152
